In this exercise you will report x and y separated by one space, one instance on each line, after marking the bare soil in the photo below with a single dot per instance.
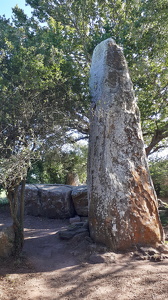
54 269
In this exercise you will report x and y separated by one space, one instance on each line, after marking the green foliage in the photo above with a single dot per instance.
164 217
14 169
35 173
35 102
47 171
159 174
45 68
55 166
140 27
76 161
3 198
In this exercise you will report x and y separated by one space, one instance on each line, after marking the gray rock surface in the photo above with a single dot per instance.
74 230
52 201
123 209
6 241
74 219
56 201
32 200
80 200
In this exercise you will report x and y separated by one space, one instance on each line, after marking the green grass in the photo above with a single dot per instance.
3 198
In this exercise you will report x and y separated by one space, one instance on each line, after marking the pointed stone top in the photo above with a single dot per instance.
107 71
101 49
107 41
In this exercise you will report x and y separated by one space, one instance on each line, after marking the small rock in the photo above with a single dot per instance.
156 257
74 220
71 232
163 249
78 238
78 224
139 256
148 251
66 235
96 259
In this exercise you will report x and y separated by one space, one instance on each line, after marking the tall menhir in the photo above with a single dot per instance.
122 202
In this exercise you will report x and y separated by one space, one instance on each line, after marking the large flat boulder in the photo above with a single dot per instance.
32 200
56 201
52 201
80 200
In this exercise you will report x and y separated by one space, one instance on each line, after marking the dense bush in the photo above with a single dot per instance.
55 167
159 174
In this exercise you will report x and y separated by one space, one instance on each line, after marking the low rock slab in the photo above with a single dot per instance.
32 200
56 201
73 230
52 201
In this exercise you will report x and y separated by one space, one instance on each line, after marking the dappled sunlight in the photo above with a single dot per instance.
37 234
56 269
100 281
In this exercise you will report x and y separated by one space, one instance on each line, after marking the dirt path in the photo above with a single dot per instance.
53 269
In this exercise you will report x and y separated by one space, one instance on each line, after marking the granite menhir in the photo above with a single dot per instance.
123 208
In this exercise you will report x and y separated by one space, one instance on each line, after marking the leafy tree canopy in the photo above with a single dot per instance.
45 68
45 61
140 27
159 174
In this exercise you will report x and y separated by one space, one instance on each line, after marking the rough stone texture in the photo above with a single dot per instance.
6 241
75 219
122 202
32 200
80 200
52 201
72 179
73 230
56 201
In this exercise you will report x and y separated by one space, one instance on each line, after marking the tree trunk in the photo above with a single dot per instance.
17 214
22 203
122 202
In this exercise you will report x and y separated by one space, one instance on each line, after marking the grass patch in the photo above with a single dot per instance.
3 198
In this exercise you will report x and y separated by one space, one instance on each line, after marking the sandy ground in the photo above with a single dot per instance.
54 269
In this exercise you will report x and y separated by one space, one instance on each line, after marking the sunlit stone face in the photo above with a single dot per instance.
122 202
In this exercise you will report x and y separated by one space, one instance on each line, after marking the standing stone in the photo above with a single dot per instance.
122 202
72 179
